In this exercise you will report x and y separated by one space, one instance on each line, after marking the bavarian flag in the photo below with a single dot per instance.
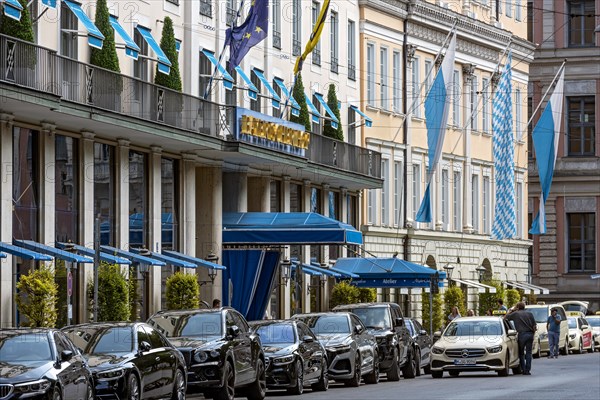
314 37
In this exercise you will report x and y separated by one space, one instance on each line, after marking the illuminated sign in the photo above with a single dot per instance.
270 132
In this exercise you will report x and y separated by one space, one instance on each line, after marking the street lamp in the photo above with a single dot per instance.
449 268
69 246
143 270
212 272
481 270
286 266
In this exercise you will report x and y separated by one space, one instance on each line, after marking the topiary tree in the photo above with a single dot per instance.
22 29
169 47
513 296
343 293
300 97
489 301
367 295
183 291
113 296
106 57
37 297
332 102
438 311
453 296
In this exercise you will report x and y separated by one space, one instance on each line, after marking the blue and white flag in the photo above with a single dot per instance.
505 214
545 142
437 106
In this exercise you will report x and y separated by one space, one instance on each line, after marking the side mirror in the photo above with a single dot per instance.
584 327
437 334
511 333
66 355
308 339
145 346
422 332
399 321
358 329
233 331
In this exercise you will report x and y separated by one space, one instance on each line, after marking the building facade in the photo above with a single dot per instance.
565 258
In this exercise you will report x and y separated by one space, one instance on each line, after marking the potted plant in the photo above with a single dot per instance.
36 298
113 294
183 291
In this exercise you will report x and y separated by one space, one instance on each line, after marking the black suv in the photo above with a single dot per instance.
224 358
394 343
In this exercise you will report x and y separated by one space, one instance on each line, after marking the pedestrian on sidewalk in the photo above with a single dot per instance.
553 328
526 326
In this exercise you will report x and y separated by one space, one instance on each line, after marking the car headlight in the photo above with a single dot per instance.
341 348
34 388
494 349
283 360
572 336
437 350
543 336
110 375
201 356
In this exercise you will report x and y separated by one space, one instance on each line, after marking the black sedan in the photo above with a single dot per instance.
44 364
422 344
130 360
224 357
293 355
351 349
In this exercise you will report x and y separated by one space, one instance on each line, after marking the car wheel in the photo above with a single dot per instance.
409 371
538 353
323 383
258 390
506 366
454 373
580 347
427 369
393 374
437 374
56 394
418 361
373 377
227 392
178 386
133 387
299 387
592 347
355 381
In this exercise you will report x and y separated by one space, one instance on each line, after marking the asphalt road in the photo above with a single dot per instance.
576 376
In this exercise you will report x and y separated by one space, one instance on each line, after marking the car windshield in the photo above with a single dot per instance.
189 325
100 339
329 324
540 314
595 322
22 348
374 317
277 334
572 323
474 329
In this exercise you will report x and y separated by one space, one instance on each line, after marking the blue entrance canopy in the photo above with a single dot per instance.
164 65
264 228
131 49
334 119
275 99
12 9
52 251
252 89
133 257
107 258
313 110
345 274
198 262
227 78
23 253
49 3
167 260
388 272
2 255
286 93
95 37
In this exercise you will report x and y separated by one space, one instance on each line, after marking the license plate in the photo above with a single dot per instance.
465 361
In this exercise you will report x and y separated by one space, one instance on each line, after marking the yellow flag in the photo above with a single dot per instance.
314 37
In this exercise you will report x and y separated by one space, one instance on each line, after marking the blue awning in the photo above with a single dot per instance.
252 90
227 78
286 228
275 99
167 260
324 271
286 93
12 9
346 274
95 37
52 251
177 45
23 253
198 262
131 49
334 119
388 272
305 271
49 3
133 257
313 110
2 255
164 65
107 258
368 121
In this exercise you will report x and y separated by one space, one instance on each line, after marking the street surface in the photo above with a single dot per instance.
576 376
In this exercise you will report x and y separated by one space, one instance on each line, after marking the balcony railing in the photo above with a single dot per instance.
334 64
41 69
351 72
277 40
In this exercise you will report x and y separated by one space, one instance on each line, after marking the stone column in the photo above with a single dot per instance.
344 217
285 310
188 204
468 75
235 191
122 194
306 195
259 194
6 216
47 184
86 217
155 227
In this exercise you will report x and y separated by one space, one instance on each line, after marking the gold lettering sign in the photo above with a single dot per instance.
278 133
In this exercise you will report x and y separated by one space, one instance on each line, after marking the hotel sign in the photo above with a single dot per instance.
270 132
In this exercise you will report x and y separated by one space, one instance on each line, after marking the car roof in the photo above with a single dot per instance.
363 305
478 319
119 324
27 330
271 322
549 305
321 314
191 311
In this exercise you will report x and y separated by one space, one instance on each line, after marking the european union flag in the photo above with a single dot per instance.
254 29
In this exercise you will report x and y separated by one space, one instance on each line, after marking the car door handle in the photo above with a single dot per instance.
157 359
171 356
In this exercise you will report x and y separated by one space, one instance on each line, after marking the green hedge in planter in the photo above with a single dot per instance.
343 293
438 312
106 57
489 301
169 47
37 298
513 296
454 296
183 291
113 295
332 102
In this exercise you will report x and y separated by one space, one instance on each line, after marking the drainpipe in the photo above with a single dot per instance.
405 136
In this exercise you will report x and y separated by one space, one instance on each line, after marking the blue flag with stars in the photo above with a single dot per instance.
254 29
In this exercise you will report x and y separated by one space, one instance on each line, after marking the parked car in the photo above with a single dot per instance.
575 306
351 349
394 343
594 322
223 356
421 344
42 363
294 357
541 312
130 360
475 344
580 335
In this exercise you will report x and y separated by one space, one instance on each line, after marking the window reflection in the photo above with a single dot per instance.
104 191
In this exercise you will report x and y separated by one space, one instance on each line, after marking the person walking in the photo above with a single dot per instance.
453 314
501 306
553 328
526 326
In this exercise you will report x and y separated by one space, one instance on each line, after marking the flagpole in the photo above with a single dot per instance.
212 77
414 101
562 66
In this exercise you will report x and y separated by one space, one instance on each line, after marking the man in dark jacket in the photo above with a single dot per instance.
526 326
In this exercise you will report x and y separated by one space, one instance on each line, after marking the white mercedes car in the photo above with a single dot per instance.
475 344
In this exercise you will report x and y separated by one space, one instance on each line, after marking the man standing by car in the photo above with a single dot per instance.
526 326
553 328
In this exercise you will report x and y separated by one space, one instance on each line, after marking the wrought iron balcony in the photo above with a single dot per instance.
316 57
334 64
277 40
327 151
296 47
351 72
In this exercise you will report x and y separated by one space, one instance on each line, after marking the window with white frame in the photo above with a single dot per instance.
445 199
316 53
428 75
333 26
397 192
485 106
475 201
486 204
508 8
518 11
456 201
416 192
371 74
383 76
231 12
276 21
372 207
296 27
456 99
351 50
416 82
473 103
519 200
385 192
397 82
518 110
